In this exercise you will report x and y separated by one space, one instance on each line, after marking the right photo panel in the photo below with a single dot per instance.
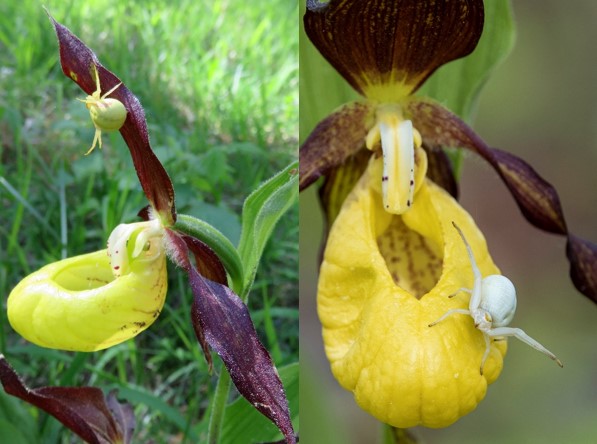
448 214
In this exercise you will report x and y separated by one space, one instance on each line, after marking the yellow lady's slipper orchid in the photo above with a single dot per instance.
383 280
96 300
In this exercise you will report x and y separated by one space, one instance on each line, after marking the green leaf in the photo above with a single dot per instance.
10 433
217 242
17 425
243 424
138 395
457 85
261 211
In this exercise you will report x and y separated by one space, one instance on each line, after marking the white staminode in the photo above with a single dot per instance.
399 141
147 238
398 147
492 306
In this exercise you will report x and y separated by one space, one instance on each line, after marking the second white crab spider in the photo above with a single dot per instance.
492 306
107 114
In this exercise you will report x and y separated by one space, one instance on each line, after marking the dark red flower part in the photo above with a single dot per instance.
222 320
583 254
374 44
207 262
334 139
537 199
84 410
441 171
77 62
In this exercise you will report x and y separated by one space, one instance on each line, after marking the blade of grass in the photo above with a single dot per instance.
19 197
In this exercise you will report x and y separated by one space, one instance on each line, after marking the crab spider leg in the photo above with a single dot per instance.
476 292
486 354
476 271
451 312
96 138
97 92
111 91
97 80
521 335
466 290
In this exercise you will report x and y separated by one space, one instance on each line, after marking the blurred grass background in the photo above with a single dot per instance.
219 83
541 104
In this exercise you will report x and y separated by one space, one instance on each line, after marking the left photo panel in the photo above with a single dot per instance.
149 222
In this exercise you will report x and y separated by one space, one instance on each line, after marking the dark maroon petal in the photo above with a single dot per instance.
144 213
124 416
206 261
77 61
229 331
392 42
339 183
334 139
82 409
440 170
584 274
179 250
536 198
224 322
200 334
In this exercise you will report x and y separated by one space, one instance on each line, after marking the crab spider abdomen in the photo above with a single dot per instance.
498 298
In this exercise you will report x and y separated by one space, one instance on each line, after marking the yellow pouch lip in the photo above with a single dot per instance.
76 304
376 334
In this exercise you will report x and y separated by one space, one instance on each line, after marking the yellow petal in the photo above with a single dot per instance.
383 279
78 304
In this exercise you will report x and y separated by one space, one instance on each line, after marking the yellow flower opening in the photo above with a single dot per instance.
96 300
383 280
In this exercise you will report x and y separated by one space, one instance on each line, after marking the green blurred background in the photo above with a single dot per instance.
541 104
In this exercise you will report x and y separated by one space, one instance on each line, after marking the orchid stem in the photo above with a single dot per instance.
218 407
394 435
216 241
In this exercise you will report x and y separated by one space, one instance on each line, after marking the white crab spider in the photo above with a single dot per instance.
492 306
107 114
